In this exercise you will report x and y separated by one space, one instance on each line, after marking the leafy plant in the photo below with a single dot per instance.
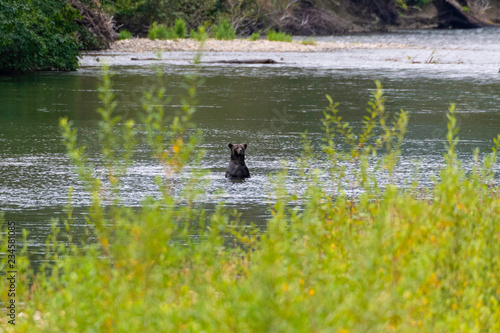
180 28
199 35
124 34
161 32
379 259
278 36
253 37
224 30
38 36
308 41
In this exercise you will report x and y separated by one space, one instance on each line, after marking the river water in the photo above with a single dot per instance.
266 106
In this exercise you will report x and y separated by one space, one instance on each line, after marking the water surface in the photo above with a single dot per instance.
266 106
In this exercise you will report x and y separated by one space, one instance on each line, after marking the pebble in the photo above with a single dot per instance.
241 45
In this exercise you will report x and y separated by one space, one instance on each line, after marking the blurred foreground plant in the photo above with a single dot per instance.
382 261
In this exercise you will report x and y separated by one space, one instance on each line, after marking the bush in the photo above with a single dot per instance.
180 29
278 36
160 32
308 41
124 34
387 259
134 14
38 35
253 37
223 31
199 35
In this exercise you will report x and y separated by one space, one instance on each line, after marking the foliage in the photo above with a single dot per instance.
180 29
388 259
38 35
308 41
136 13
124 34
253 37
199 35
224 30
161 31
278 36
419 3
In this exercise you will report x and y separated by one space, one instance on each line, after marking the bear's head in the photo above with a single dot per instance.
238 151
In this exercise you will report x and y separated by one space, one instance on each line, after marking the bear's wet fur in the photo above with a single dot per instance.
237 167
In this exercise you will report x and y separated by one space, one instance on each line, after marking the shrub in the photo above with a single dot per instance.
37 35
161 32
278 36
253 37
124 34
136 13
308 41
180 29
199 35
223 31
382 260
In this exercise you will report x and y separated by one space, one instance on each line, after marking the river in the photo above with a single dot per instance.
266 106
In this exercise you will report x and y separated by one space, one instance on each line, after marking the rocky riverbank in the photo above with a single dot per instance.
243 45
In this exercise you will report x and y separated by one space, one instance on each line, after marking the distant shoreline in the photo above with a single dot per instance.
138 45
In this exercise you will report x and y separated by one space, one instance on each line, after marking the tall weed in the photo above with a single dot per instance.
278 36
384 260
224 30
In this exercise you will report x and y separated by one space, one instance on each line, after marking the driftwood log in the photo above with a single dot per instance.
235 61
250 61
145 59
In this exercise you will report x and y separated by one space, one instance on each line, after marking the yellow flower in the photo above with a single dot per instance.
454 306
177 145
311 292
105 243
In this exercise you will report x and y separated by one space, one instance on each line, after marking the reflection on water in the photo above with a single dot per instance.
267 106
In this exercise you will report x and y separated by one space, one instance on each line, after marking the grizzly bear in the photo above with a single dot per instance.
237 167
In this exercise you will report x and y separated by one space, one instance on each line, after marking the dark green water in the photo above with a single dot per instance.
268 107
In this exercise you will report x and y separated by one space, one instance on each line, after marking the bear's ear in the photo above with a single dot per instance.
230 145
245 145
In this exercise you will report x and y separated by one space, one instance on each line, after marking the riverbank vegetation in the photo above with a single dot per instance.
278 36
47 35
354 252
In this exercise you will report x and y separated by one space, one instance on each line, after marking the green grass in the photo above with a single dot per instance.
389 259
178 30
199 35
278 36
223 31
308 41
124 34
253 37
159 32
